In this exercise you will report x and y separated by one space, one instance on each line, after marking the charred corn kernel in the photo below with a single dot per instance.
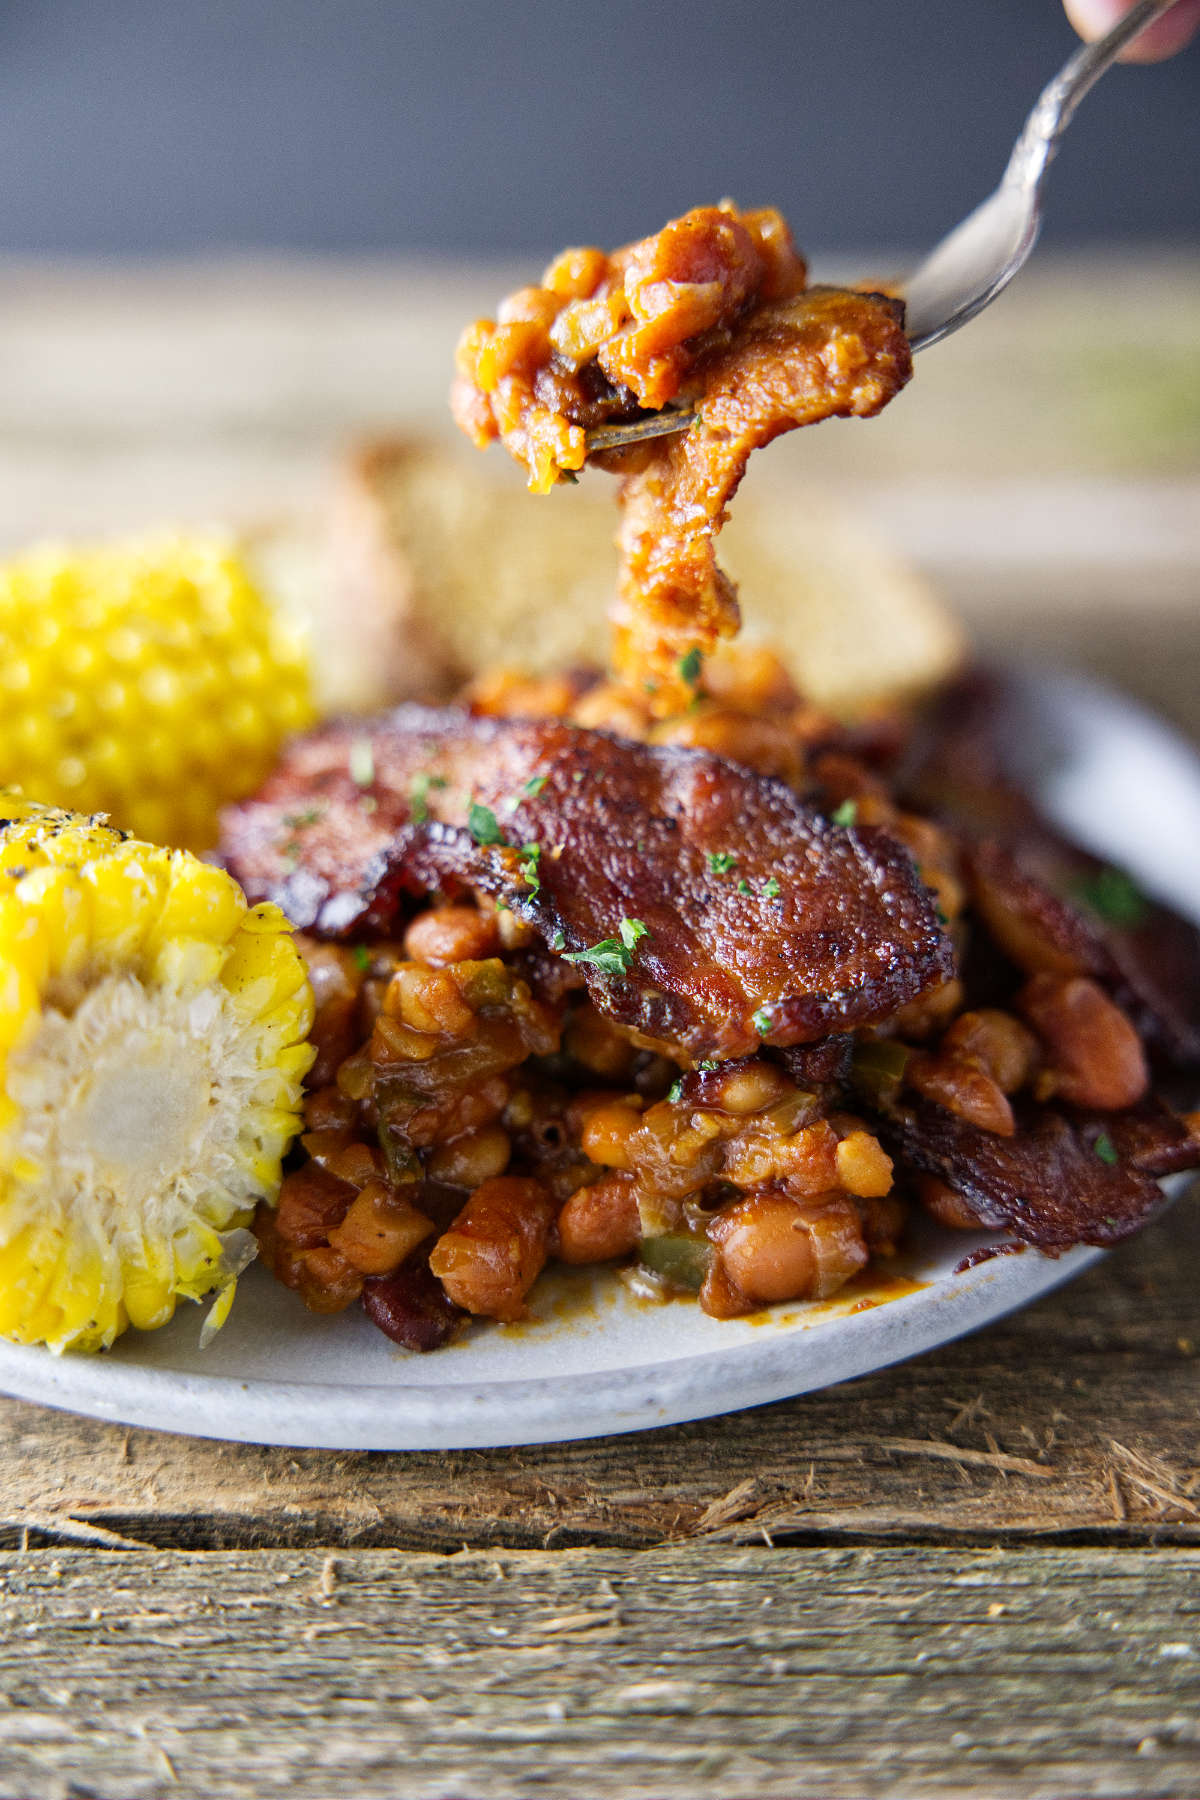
153 1048
149 680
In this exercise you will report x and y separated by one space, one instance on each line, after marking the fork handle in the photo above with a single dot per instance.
1056 104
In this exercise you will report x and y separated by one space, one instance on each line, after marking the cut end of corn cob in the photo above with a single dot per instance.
148 680
152 1053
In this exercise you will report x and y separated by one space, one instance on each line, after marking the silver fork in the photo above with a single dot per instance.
977 260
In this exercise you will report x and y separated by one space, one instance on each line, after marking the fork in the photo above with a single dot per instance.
977 260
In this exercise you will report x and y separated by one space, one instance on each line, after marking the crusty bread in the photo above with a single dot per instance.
438 566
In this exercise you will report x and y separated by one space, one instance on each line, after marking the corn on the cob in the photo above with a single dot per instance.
151 681
152 1049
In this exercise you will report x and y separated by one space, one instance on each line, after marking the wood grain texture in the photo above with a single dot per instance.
1076 1418
697 1672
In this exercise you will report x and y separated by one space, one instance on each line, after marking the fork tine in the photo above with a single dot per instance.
659 424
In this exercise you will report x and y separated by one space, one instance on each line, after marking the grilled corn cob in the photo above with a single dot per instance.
148 680
152 1050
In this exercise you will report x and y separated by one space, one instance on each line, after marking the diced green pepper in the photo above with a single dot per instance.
678 1258
877 1067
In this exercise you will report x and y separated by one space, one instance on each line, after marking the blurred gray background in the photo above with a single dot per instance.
472 126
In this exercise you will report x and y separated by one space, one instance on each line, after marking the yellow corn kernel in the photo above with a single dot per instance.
149 680
152 1055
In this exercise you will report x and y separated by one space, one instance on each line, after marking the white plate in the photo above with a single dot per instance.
601 1361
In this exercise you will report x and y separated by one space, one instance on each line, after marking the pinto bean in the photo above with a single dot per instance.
772 1247
470 1160
995 1041
962 1088
599 1222
451 934
948 1208
1095 1056
497 1247
608 1133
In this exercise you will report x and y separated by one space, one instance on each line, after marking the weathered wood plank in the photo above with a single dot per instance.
1076 1417
690 1672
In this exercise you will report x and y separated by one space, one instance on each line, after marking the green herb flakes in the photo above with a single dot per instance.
362 762
418 796
675 1091
690 667
530 858
1113 897
721 861
771 889
362 957
482 824
1106 1150
762 1021
612 956
310 816
744 886
558 941
846 813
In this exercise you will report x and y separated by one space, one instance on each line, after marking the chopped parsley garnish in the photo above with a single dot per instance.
362 762
529 789
721 861
1113 897
482 824
530 858
744 886
772 890
846 813
612 956
418 795
362 957
1106 1150
708 1065
558 941
297 821
675 1091
762 1021
690 667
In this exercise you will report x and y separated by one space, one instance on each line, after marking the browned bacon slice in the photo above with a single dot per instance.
1063 1179
763 922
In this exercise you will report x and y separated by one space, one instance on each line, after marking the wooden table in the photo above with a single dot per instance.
976 1574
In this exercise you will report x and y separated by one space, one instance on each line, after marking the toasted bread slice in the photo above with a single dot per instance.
437 568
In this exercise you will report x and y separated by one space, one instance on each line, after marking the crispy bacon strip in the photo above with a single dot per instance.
1062 1179
763 922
